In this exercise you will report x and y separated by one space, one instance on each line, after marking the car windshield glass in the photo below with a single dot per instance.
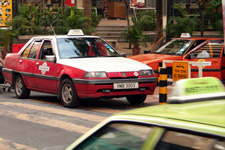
174 47
174 140
117 136
84 47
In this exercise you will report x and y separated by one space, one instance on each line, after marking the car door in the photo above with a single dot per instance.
26 63
187 140
223 64
46 72
209 51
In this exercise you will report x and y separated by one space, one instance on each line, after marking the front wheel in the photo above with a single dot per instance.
68 95
136 99
20 88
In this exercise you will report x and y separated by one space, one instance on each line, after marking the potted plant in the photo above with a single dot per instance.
134 36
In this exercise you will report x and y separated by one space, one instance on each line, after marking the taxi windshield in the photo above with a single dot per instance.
84 47
174 47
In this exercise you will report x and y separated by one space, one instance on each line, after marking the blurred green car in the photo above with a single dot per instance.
195 120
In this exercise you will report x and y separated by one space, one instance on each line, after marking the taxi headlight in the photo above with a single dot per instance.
101 74
146 72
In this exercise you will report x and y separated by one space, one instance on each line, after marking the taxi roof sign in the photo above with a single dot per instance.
77 32
185 35
198 89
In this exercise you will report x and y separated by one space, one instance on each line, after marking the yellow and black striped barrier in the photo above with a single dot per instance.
163 86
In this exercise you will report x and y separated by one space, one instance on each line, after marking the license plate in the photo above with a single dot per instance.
130 85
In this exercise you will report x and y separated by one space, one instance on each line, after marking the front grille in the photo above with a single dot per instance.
123 78
122 90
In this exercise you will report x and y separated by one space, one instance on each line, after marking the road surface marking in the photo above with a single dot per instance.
71 127
8 145
104 110
89 117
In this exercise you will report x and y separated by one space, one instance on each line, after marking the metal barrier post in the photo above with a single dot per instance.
163 86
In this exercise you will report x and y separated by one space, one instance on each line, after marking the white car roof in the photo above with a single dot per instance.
66 36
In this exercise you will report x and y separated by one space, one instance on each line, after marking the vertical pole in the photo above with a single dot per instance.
223 6
159 68
163 86
200 69
189 70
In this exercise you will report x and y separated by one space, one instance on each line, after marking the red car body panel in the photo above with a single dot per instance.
217 68
153 60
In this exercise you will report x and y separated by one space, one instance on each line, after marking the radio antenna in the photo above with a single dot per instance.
51 27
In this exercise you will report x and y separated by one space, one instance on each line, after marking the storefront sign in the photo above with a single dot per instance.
137 3
5 12
70 2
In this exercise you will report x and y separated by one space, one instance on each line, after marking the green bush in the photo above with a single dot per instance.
146 20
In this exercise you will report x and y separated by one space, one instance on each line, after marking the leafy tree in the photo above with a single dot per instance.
214 15
77 20
181 24
31 21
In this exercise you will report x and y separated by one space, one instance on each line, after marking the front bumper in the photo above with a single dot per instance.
104 88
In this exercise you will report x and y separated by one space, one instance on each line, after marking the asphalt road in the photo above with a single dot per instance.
41 122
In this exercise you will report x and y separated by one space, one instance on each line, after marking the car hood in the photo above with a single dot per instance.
108 64
205 112
149 58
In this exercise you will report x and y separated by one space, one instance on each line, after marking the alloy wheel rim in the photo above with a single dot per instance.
67 93
19 86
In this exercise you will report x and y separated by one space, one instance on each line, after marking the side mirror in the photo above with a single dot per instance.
188 57
146 51
123 54
50 58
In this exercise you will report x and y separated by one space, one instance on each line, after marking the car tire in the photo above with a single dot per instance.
68 95
136 99
20 88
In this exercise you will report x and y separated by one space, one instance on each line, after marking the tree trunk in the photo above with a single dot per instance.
158 20
127 13
43 5
127 17
201 7
62 7
87 9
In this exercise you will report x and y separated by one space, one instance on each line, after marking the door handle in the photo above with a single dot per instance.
37 64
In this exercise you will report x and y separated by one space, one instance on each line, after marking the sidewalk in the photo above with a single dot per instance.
114 22
123 47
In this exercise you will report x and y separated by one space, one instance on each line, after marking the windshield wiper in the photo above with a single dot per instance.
81 57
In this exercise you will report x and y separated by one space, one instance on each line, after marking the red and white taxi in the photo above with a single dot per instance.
75 67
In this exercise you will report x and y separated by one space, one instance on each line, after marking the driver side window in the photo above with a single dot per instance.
46 49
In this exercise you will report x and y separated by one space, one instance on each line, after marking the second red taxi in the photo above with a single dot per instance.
183 49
